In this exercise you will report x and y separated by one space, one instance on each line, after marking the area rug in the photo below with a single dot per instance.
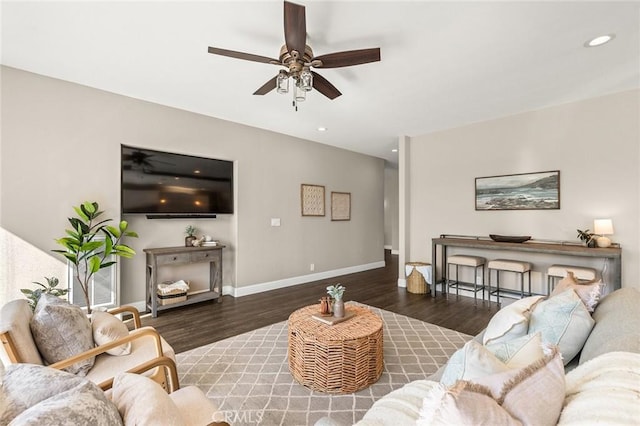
247 376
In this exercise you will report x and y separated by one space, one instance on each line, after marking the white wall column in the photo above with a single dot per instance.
403 207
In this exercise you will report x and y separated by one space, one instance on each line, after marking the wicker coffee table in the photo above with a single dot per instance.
340 358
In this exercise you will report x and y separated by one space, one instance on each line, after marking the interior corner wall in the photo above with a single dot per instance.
595 145
61 146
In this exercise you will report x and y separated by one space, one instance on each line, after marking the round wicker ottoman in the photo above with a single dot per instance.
339 358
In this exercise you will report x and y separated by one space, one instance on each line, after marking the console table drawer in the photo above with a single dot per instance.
169 259
202 256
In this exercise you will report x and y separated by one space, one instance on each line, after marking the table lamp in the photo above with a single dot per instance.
603 227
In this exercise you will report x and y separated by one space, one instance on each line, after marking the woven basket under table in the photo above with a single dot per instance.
415 281
339 358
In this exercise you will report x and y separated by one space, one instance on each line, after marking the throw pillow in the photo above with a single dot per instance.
589 292
520 352
107 328
533 395
564 321
141 401
511 321
62 330
35 394
469 362
463 404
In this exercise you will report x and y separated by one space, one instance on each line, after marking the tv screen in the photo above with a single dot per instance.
162 183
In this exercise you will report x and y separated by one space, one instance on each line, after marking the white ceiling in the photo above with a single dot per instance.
444 64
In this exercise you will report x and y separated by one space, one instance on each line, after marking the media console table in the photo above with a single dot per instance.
168 256
544 247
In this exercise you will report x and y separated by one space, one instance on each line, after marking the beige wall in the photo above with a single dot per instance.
594 144
61 146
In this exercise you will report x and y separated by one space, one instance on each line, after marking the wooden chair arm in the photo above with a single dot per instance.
128 309
133 335
165 362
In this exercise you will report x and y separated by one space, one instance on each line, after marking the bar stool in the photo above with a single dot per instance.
474 262
507 265
560 271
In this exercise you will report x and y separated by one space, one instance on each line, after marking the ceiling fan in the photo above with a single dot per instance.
298 59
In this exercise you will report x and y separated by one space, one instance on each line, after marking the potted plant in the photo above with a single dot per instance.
190 238
336 292
50 288
91 243
589 238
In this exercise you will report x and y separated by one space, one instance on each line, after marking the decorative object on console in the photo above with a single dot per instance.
325 306
336 292
190 230
603 227
509 239
587 237
91 245
50 288
340 206
525 191
312 199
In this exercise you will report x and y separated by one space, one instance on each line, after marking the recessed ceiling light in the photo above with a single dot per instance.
196 172
394 150
322 129
600 40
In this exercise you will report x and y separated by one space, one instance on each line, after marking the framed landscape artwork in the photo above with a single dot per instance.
312 200
340 206
525 191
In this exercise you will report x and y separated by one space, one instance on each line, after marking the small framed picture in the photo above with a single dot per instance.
312 200
340 206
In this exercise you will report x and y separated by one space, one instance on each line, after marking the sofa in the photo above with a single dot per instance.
600 384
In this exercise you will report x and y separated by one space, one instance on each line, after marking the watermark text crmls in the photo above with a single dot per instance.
239 416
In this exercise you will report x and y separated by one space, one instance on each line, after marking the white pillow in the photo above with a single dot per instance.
141 401
589 292
469 362
564 321
106 329
511 321
520 352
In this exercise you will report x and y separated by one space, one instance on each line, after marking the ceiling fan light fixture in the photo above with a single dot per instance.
282 82
299 94
306 80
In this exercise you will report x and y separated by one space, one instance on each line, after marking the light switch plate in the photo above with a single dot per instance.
275 221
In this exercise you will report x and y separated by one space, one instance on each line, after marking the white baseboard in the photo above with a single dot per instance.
402 282
288 282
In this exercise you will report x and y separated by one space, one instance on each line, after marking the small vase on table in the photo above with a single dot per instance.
338 308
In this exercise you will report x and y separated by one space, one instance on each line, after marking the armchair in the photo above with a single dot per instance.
19 346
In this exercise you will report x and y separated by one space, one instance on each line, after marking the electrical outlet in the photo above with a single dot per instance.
312 267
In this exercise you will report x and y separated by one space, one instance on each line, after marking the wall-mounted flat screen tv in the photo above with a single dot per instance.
163 183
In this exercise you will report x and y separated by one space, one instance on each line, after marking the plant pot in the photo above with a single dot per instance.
188 241
592 243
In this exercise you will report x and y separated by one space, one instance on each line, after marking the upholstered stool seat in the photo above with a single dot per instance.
474 262
560 271
508 265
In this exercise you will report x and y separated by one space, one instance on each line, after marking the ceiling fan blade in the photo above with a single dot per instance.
295 27
267 87
323 86
348 58
242 55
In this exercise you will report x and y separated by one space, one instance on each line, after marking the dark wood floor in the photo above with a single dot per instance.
196 325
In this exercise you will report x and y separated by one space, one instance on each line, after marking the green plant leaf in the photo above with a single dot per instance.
90 208
107 264
113 231
123 225
124 249
26 291
94 264
108 246
91 246
81 213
